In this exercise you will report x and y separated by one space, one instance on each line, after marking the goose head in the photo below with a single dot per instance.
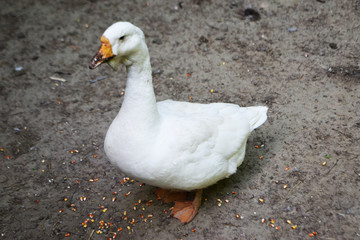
122 43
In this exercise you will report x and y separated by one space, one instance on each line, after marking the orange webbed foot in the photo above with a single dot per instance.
185 211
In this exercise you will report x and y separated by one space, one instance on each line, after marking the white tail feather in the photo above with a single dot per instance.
257 116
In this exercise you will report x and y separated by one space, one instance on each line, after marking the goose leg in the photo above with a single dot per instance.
185 211
168 196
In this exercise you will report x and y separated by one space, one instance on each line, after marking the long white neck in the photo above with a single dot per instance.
139 105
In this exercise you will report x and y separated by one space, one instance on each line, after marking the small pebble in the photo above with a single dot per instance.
157 41
333 45
236 57
252 14
18 68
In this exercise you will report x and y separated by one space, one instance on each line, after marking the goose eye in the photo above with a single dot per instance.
122 38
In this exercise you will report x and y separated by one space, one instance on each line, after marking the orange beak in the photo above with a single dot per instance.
104 54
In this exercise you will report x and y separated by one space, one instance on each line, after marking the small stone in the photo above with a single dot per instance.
157 41
158 72
252 14
203 39
287 209
235 58
333 45
292 29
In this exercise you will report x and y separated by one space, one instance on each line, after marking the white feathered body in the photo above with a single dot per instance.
192 146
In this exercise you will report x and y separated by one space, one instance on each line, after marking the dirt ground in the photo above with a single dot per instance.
301 174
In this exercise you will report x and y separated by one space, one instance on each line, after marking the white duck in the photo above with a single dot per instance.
171 145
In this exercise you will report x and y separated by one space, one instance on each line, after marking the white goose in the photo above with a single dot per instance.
171 145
